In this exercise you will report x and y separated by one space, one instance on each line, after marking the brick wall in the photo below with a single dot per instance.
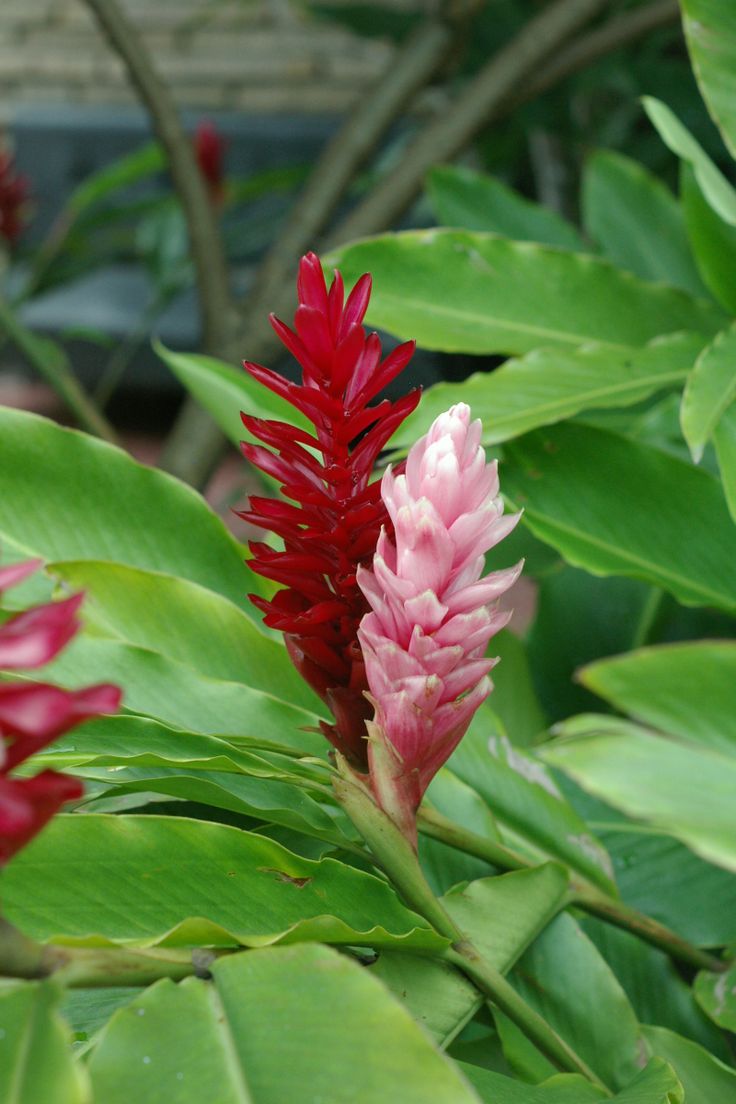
257 56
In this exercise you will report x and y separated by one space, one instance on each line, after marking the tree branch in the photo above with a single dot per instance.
204 235
444 138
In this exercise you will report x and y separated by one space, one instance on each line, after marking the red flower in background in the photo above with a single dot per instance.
32 715
209 149
338 513
14 190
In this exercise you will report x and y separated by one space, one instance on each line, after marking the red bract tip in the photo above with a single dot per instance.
333 527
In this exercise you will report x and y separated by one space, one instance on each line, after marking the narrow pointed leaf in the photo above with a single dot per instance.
709 391
710 32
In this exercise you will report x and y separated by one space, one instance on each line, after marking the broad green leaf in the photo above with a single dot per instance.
656 1084
505 914
713 240
195 883
446 866
550 385
709 391
496 1088
613 507
663 879
175 694
637 221
36 1062
224 390
653 985
524 798
704 1079
187 623
244 1039
716 189
678 788
515 700
438 997
563 634
710 32
113 508
724 439
716 994
565 978
87 1010
466 292
668 687
475 201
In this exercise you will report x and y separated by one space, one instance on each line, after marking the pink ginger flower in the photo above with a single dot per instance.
432 613
33 714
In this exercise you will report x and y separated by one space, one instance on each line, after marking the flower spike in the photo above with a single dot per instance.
432 613
32 714
333 526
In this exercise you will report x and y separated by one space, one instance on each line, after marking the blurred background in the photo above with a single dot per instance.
306 122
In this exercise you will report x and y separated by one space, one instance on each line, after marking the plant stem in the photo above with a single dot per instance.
495 986
50 361
399 862
648 616
95 967
582 894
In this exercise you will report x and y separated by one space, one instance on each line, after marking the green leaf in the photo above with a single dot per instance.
667 687
495 1088
224 391
724 439
653 985
175 694
175 617
710 32
637 221
245 1040
716 994
123 172
515 701
87 1010
613 507
446 866
713 241
36 1062
469 292
437 996
475 201
709 391
550 385
505 914
195 883
524 799
663 879
704 1079
656 1084
652 778
113 508
567 981
716 189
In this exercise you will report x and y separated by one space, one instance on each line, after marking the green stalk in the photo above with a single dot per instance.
95 967
582 894
398 860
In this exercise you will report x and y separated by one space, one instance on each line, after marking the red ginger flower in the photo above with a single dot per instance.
338 513
209 150
34 714
13 198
